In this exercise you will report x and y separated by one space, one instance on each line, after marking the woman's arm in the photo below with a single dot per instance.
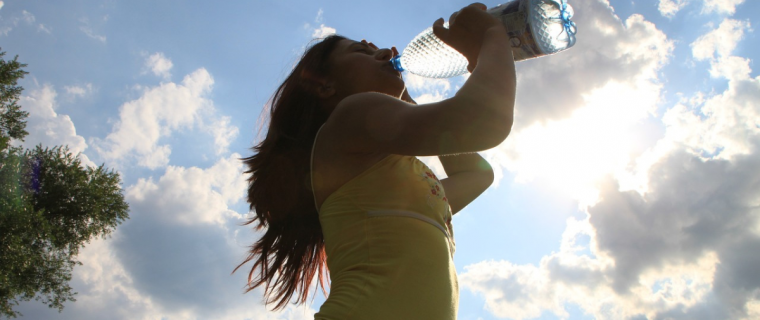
468 176
478 117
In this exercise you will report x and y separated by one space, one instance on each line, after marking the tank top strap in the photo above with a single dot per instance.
311 168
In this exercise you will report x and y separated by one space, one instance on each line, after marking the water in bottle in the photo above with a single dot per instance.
535 28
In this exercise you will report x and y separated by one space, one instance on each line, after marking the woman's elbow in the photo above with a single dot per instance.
496 131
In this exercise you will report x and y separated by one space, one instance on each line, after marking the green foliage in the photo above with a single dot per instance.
50 206
78 203
28 261
12 119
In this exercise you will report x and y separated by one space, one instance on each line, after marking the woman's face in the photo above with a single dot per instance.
361 67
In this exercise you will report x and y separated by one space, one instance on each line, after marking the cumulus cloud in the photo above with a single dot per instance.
721 6
717 45
428 90
719 42
157 113
584 105
172 259
609 50
47 127
669 8
682 246
687 249
321 31
159 65
192 195
223 132
596 140
195 243
730 67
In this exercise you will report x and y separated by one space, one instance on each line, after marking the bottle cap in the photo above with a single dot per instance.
396 62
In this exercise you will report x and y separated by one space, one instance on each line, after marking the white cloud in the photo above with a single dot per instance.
428 90
577 111
717 46
47 127
724 126
223 134
320 16
322 30
1 5
721 41
27 17
721 6
182 235
156 114
90 33
87 29
731 67
44 28
683 243
512 291
8 24
574 153
159 65
682 251
79 91
106 286
192 195
669 8
201 243
552 87
159 112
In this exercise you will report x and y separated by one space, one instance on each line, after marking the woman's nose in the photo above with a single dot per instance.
384 54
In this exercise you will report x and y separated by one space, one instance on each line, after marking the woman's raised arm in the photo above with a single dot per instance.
478 117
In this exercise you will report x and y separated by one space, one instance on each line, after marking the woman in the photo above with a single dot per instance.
336 182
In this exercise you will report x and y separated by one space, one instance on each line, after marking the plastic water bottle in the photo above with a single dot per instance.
535 28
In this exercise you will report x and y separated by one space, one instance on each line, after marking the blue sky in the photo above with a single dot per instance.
628 189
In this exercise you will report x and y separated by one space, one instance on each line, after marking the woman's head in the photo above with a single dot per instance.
359 66
338 67
329 71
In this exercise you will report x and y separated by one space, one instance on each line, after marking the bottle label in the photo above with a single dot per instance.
514 16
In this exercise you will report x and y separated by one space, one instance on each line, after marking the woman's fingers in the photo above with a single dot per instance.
439 31
466 30
453 18
370 44
478 5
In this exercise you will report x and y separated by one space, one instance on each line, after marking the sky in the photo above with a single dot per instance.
629 187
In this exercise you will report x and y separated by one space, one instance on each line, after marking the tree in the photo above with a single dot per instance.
50 207
12 119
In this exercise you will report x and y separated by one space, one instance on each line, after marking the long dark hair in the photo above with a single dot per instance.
291 252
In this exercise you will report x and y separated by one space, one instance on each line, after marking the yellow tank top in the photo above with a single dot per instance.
389 245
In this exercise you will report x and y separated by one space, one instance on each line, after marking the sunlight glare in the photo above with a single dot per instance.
571 155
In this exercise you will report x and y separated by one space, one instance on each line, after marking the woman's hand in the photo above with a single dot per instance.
466 31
